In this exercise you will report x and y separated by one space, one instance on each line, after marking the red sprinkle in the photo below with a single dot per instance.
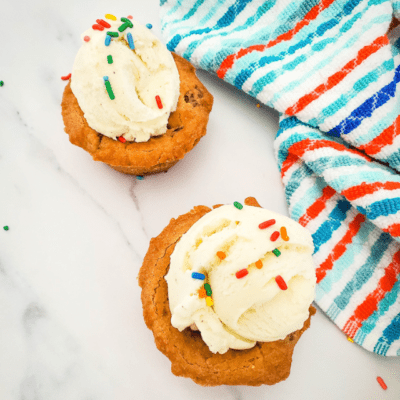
66 77
280 282
86 38
130 17
159 103
121 139
266 224
242 273
274 236
103 23
98 27
381 382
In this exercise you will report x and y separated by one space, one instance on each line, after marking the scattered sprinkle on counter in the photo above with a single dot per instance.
381 382
242 273
276 252
284 235
350 339
274 236
66 77
237 205
110 16
149 26
258 105
280 282
198 275
1 83
6 228
267 224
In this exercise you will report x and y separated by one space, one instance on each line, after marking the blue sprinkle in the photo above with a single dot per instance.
198 275
130 41
108 40
149 26
139 177
105 78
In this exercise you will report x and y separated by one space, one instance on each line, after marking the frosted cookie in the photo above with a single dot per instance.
228 292
130 102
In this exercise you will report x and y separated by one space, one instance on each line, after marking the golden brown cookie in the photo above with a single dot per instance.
266 363
185 126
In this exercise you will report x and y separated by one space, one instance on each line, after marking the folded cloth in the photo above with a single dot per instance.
332 70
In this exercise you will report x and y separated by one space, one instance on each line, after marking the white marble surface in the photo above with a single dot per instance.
71 322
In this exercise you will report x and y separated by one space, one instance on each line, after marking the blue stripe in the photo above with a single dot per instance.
383 208
367 108
391 333
334 221
295 180
364 273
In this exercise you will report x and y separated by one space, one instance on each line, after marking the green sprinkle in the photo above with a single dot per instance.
109 59
1 83
238 205
113 34
109 89
276 252
208 289
123 27
6 228
127 21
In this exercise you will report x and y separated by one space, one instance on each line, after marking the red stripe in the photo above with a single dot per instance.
319 205
340 247
362 190
290 160
311 15
370 304
386 138
394 229
337 77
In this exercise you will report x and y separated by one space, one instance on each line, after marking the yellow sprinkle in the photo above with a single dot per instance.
258 105
209 301
110 16
350 339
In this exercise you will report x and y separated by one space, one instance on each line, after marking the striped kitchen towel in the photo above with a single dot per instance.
332 70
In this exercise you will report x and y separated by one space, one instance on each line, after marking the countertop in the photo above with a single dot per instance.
71 324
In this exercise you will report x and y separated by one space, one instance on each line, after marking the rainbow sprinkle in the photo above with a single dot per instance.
110 16
109 88
242 273
1 83
113 34
86 38
139 177
209 301
103 23
6 228
284 235
130 41
66 77
221 255
98 27
237 205
259 264
125 25
208 290
276 252
350 339
280 282
159 103
274 236
108 40
110 59
267 224
202 293
381 382
198 275
149 26
129 16
121 139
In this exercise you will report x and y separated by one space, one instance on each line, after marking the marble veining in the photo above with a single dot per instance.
71 323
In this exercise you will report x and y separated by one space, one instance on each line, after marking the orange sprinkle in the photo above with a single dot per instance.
259 264
381 382
221 255
284 235
202 293
258 105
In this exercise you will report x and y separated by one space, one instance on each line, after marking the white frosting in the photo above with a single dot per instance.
136 77
252 308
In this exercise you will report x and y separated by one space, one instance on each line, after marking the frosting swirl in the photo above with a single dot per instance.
136 78
250 308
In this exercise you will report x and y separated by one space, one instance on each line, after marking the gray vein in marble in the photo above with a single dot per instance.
137 206
51 157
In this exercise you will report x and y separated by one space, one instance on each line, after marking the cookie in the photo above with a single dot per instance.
266 363
186 126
